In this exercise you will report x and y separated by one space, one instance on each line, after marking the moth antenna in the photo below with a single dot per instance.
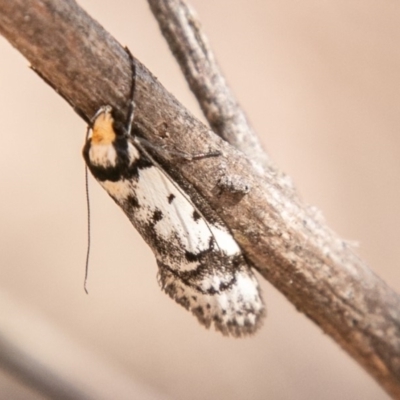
88 221
129 129
131 110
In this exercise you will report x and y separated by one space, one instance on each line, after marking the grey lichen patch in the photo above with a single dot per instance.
231 189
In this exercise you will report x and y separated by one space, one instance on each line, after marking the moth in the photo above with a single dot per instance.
200 265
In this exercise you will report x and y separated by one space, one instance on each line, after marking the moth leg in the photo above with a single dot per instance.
177 153
195 156
145 143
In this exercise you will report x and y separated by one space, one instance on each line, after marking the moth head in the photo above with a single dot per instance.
102 127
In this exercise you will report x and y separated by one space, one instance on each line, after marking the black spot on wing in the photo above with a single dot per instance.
131 171
196 215
150 234
171 198
192 257
194 278
141 163
102 174
212 290
198 311
132 201
157 216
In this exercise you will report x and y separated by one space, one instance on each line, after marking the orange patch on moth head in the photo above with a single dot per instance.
103 131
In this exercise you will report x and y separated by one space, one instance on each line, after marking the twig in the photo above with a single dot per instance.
284 239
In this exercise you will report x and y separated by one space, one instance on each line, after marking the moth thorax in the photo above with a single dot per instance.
103 130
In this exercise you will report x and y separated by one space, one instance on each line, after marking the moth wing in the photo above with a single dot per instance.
200 264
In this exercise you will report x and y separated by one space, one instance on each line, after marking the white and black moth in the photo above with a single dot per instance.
200 265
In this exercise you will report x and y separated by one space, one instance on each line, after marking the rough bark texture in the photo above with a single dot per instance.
286 241
182 30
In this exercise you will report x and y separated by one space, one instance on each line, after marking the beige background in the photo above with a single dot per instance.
320 81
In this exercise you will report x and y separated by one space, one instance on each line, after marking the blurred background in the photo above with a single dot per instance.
320 82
